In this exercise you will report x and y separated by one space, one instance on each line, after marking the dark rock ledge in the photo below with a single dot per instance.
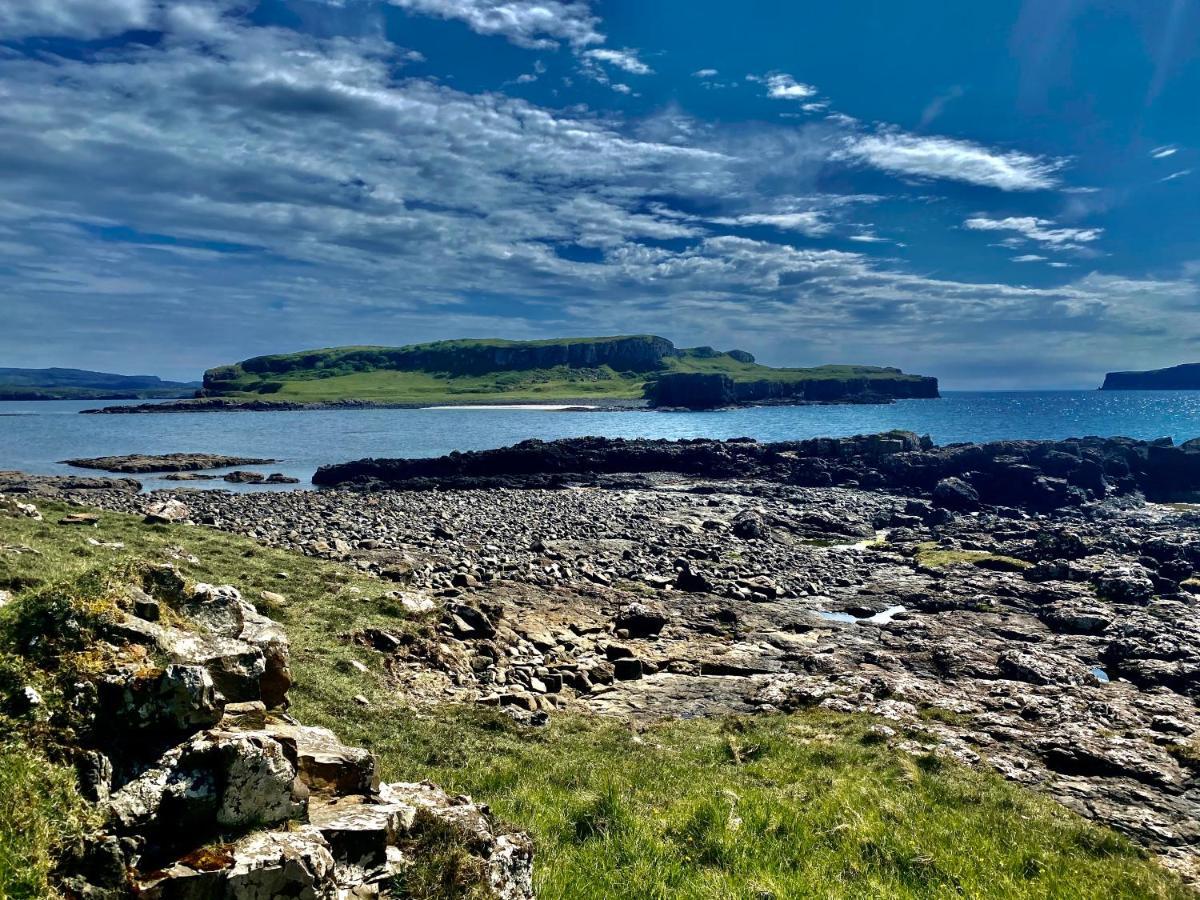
1037 475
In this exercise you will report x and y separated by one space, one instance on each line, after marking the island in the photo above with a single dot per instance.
629 370
1175 378
81 384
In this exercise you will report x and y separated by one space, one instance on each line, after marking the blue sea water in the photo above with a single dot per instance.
36 436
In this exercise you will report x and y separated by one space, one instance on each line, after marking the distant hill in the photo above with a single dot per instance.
80 384
1176 378
628 367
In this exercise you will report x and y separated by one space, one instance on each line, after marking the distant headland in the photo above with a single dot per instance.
628 369
81 384
1175 378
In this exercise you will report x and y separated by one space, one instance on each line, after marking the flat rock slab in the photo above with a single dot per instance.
167 462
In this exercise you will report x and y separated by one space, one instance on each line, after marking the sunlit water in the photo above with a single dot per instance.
35 436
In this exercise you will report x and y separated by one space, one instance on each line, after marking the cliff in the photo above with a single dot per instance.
1176 378
708 391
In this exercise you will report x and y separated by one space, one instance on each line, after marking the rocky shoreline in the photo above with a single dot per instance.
1057 645
1030 475
670 403
141 463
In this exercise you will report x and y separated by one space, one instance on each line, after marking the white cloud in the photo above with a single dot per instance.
622 89
809 222
261 175
705 73
782 86
527 23
1164 151
1182 173
1028 257
939 157
626 60
94 19
1041 231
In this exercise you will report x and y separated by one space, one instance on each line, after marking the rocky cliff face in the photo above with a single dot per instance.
1039 475
210 790
712 391
1176 378
638 353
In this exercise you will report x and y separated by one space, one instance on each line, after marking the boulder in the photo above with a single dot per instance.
956 495
260 866
166 512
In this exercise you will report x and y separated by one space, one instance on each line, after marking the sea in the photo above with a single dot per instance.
36 437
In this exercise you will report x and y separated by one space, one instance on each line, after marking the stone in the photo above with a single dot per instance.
261 866
166 512
956 495
79 519
640 620
324 764
242 476
16 509
217 779
627 668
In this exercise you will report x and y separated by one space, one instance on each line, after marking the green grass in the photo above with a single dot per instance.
42 817
389 374
776 806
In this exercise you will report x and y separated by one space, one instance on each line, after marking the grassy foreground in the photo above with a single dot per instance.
809 805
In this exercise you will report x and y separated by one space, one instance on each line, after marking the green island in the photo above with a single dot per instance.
803 805
599 369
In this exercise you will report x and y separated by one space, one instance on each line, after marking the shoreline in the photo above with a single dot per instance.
223 404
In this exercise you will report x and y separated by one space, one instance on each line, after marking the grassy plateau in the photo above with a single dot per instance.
474 371
805 805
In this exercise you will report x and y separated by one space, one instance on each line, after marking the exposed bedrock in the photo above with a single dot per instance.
1037 475
710 391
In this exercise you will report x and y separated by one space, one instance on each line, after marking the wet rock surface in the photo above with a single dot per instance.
138 463
1059 647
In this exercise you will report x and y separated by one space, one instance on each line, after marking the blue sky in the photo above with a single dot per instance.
1003 194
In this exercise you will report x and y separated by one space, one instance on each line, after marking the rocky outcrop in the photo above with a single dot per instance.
1176 378
138 463
210 790
713 391
57 485
1032 475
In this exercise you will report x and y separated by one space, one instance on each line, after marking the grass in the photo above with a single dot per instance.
776 806
42 818
389 375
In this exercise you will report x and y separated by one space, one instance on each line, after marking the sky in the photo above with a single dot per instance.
1001 194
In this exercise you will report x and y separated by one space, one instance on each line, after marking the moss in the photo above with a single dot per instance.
931 556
